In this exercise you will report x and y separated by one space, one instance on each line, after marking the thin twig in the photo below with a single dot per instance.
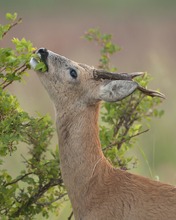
70 216
49 203
10 82
33 199
123 140
3 68
130 137
11 26
128 122
20 67
18 179
139 133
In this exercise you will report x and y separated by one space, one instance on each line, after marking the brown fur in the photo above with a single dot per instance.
96 189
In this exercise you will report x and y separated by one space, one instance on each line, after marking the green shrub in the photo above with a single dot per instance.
39 184
123 121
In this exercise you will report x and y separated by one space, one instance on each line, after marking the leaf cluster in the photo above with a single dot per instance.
14 63
38 184
107 47
123 121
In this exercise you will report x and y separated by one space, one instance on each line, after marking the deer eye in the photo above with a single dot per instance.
73 73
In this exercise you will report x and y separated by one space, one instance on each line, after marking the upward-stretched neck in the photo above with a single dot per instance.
79 145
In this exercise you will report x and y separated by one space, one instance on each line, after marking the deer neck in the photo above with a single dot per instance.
79 144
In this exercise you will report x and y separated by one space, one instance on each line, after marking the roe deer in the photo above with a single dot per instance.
97 190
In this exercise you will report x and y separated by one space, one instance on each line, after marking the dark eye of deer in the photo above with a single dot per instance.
73 73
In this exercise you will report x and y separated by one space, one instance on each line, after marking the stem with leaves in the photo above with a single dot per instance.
122 122
38 188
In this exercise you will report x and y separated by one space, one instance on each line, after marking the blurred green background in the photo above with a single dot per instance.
146 31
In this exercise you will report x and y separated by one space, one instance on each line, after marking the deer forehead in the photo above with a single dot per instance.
60 64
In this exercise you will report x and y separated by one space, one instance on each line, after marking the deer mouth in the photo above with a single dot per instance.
39 61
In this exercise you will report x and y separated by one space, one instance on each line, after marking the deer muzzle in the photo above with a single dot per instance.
42 54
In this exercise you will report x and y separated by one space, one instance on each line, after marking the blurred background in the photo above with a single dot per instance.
146 32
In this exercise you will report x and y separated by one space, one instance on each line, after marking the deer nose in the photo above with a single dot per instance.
43 53
42 50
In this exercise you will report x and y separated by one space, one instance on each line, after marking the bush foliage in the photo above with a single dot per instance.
39 187
123 121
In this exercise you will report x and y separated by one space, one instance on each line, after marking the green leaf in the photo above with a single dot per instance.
41 67
11 17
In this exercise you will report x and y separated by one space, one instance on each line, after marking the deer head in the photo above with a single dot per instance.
71 83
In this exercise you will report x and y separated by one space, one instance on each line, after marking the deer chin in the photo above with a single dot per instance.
33 63
38 65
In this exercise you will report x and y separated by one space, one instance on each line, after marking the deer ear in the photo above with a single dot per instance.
116 90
